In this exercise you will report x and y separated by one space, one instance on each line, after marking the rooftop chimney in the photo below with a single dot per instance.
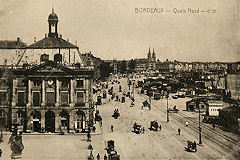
35 39
18 40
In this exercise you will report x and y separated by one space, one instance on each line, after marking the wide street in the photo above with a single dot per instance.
164 144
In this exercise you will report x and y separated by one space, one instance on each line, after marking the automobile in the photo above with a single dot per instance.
181 96
191 146
175 97
157 96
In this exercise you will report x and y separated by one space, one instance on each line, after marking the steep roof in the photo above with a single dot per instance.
52 43
53 69
5 44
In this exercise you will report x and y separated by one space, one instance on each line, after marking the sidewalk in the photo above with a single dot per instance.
98 131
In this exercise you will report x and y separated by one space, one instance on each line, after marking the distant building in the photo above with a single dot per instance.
141 65
213 108
166 66
18 44
151 61
92 62
233 67
192 106
11 51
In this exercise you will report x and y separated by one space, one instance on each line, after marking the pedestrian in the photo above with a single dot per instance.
160 127
105 157
98 156
20 136
94 128
0 152
143 130
91 155
42 129
1 137
186 123
88 137
112 128
213 126
179 130
195 145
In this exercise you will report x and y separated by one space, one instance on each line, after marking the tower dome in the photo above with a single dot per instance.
53 16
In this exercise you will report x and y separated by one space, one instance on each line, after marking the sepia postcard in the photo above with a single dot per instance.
119 79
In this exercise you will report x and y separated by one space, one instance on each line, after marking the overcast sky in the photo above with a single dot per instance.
112 28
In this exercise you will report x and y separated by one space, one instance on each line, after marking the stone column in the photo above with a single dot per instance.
72 102
43 119
57 122
29 93
29 122
87 91
57 93
43 93
71 120
14 93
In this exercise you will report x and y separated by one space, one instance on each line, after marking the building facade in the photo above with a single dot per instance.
48 88
51 97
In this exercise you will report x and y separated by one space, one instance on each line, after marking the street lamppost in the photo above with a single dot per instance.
199 125
133 91
129 84
150 94
167 106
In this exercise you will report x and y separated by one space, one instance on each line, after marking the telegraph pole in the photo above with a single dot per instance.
150 102
167 108
133 91
199 125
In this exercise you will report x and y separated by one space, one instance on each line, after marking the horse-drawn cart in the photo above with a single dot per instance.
174 110
137 128
116 114
112 153
154 126
146 104
99 100
191 146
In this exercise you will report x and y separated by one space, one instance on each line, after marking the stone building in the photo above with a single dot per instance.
151 60
143 65
166 66
48 88
52 96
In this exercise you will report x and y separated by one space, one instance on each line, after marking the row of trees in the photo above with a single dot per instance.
105 70
124 67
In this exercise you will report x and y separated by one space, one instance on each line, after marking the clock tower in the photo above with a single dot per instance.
53 22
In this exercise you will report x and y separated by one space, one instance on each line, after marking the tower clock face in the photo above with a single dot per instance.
50 83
